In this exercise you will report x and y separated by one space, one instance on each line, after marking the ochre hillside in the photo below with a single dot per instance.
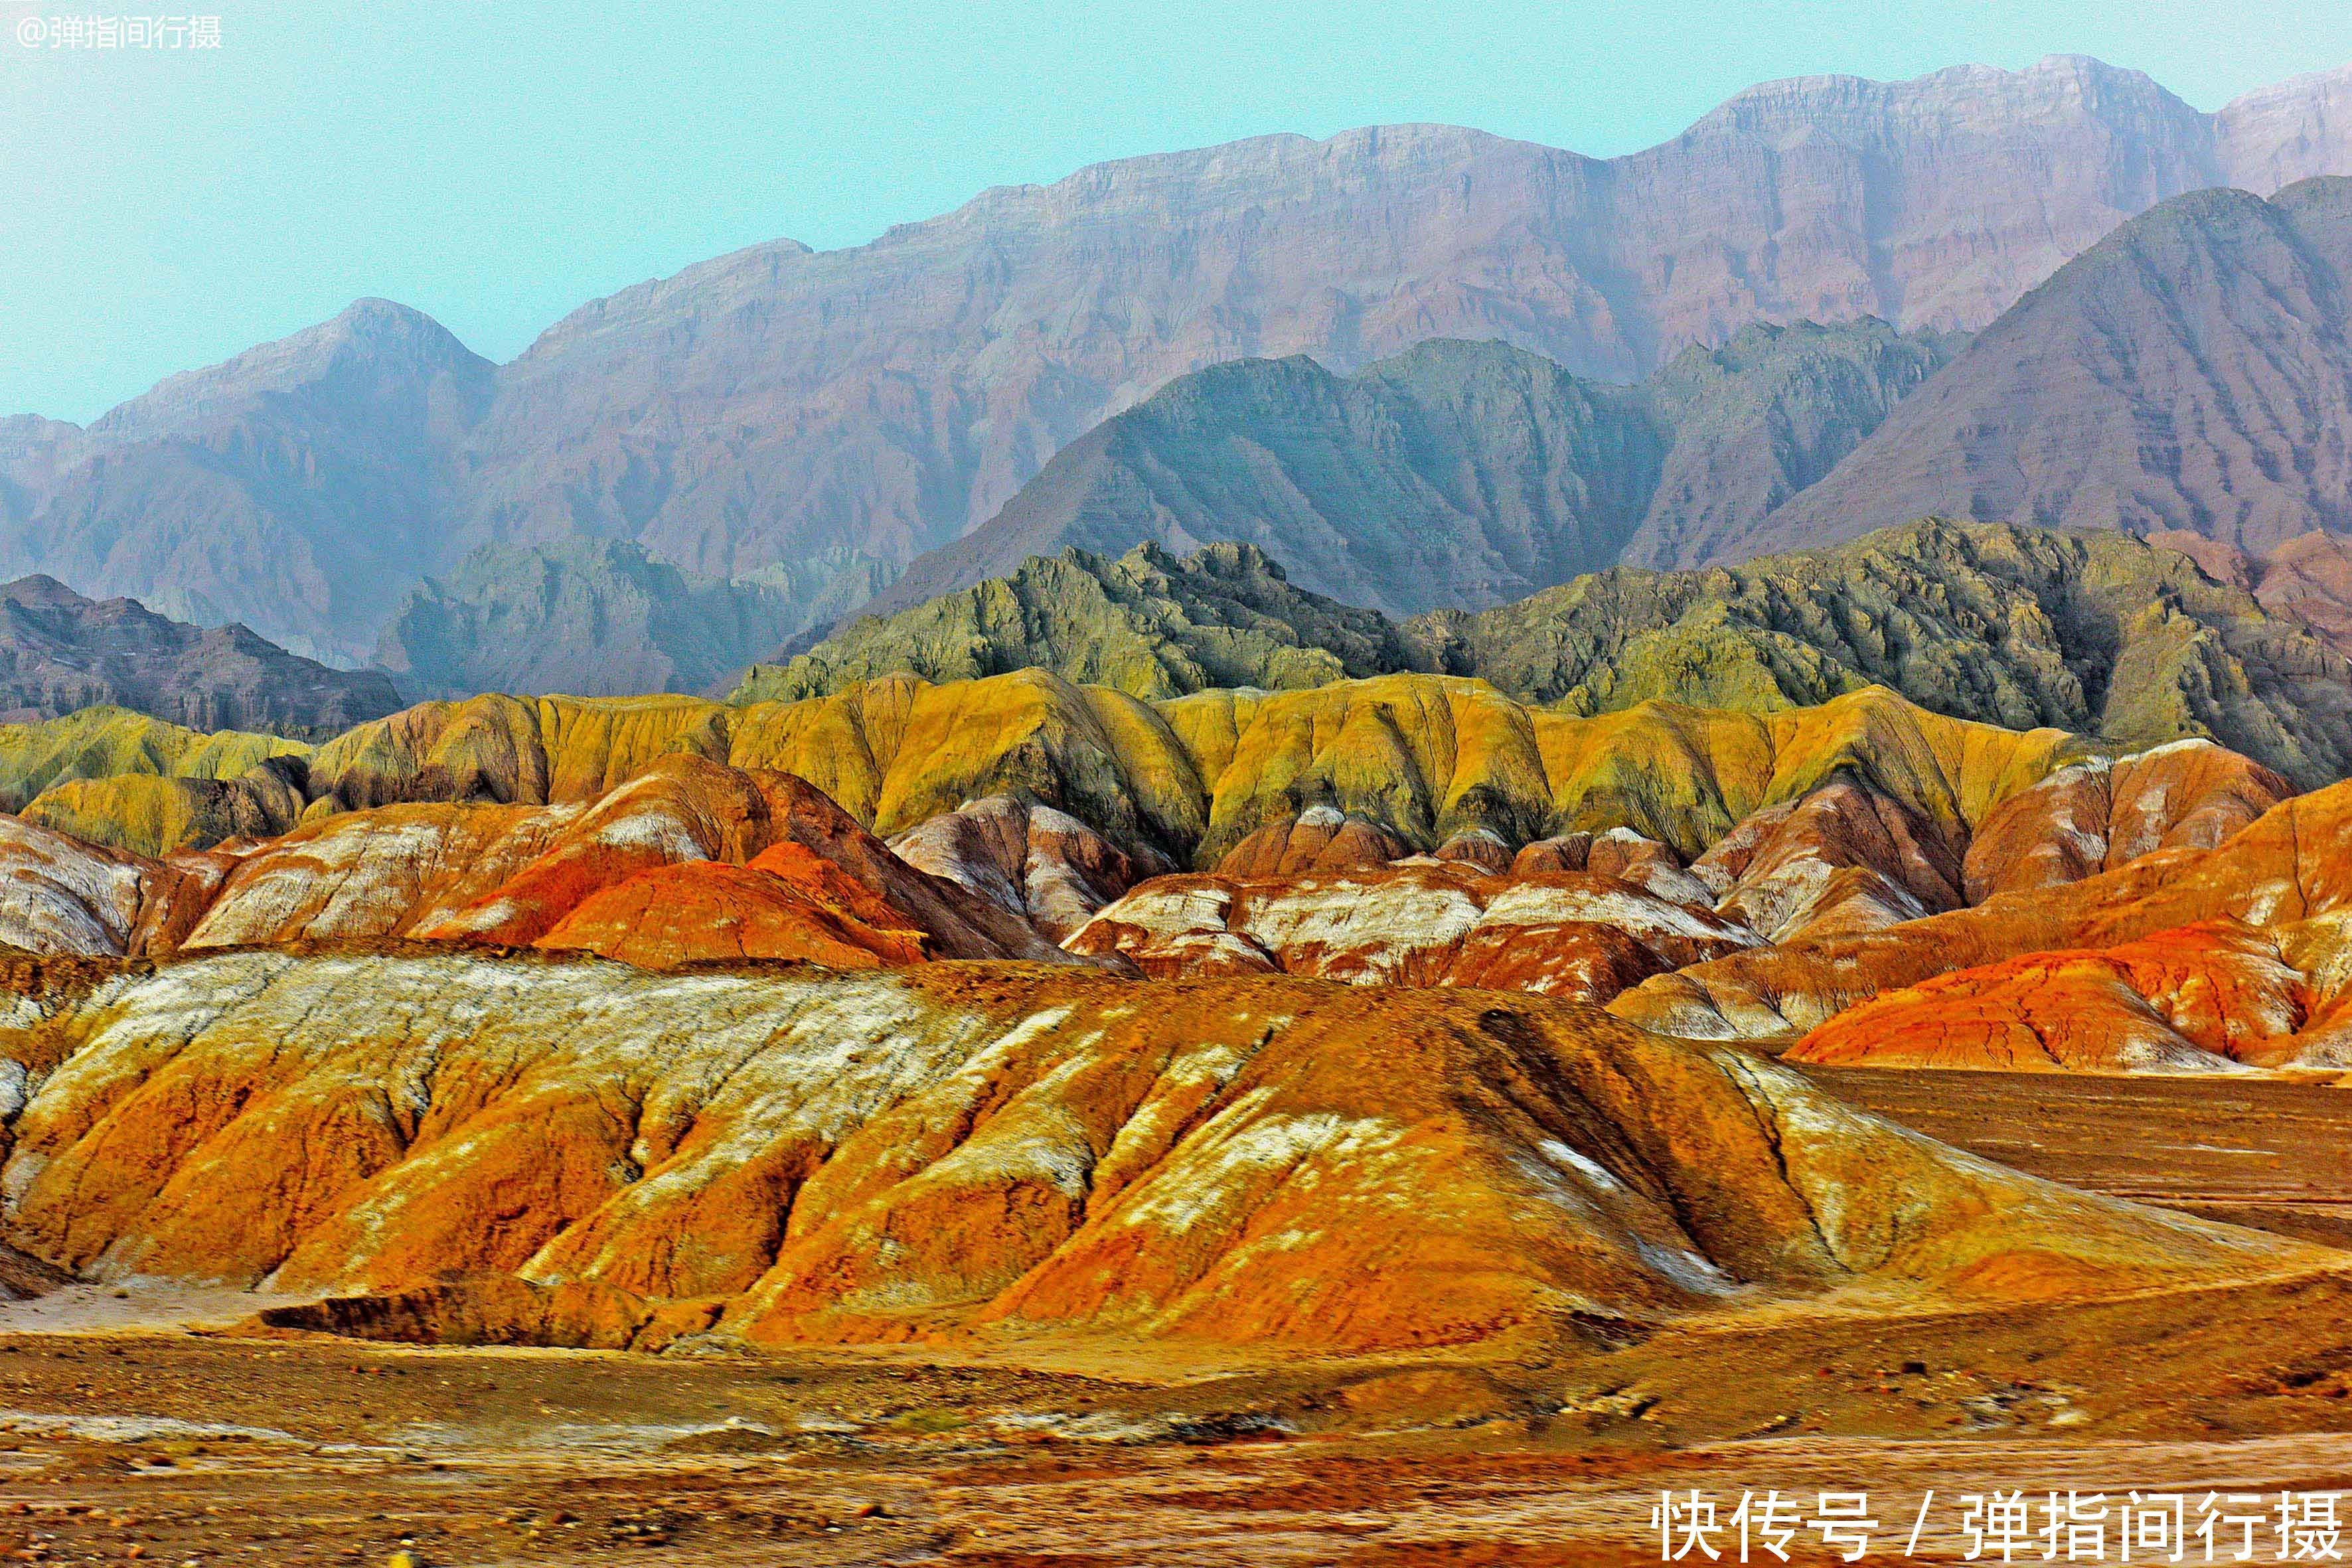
1422 755
781 1156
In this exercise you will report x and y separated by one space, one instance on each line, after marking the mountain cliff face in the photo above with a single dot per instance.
778 403
1457 473
60 652
2192 372
911 386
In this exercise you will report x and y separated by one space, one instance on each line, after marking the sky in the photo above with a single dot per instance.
496 164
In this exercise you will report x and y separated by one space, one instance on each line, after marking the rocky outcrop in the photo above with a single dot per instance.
150 814
60 652
785 903
63 896
1039 865
776 1155
690 862
1420 921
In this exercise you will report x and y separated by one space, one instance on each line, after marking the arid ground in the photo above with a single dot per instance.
148 1425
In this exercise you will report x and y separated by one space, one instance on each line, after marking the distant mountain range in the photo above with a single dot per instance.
784 407
599 618
60 652
2093 632
2192 371
1455 473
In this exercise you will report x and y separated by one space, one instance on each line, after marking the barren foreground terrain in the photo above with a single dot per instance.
128 1438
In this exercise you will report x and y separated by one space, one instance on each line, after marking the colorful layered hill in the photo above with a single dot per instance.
1187 779
688 861
2092 632
2181 956
577 1151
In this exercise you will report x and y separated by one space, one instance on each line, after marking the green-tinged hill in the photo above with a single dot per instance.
1148 623
602 618
124 779
2092 631
2097 633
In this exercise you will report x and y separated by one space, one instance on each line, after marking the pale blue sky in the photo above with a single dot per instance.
496 162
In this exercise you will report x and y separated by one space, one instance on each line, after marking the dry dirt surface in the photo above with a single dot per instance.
2251 1152
170 1445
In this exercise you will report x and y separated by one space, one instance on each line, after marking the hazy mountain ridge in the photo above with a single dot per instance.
599 618
60 652
299 487
779 403
1456 474
2191 372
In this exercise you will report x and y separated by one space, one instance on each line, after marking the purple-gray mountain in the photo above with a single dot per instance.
864 406
60 652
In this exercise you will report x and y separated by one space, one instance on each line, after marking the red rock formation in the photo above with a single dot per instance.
1846 857
1479 847
1568 852
2200 998
60 895
1320 838
689 861
1630 857
786 903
